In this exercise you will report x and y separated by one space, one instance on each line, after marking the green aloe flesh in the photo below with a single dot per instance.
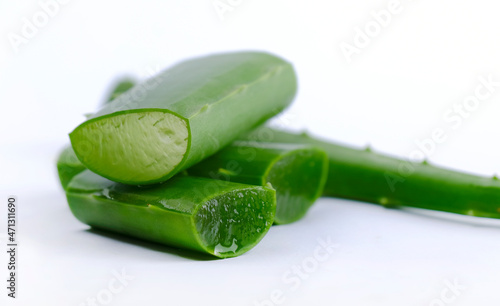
221 218
183 115
367 176
298 173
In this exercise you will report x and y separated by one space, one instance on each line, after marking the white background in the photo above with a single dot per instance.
393 93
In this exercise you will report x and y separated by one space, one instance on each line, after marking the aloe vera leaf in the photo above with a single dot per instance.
216 217
371 177
297 172
183 115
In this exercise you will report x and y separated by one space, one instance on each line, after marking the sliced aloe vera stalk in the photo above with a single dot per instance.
297 172
216 217
183 115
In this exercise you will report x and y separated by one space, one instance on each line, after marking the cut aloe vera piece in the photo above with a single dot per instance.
216 217
183 115
297 172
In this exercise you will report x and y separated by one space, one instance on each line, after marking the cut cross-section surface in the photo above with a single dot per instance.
133 147
232 223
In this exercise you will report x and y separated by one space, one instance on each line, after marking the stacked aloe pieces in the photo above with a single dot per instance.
183 160
161 161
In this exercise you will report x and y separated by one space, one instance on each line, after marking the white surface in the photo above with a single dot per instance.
395 92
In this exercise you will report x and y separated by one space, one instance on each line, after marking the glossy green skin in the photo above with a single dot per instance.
297 172
220 218
371 177
219 97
